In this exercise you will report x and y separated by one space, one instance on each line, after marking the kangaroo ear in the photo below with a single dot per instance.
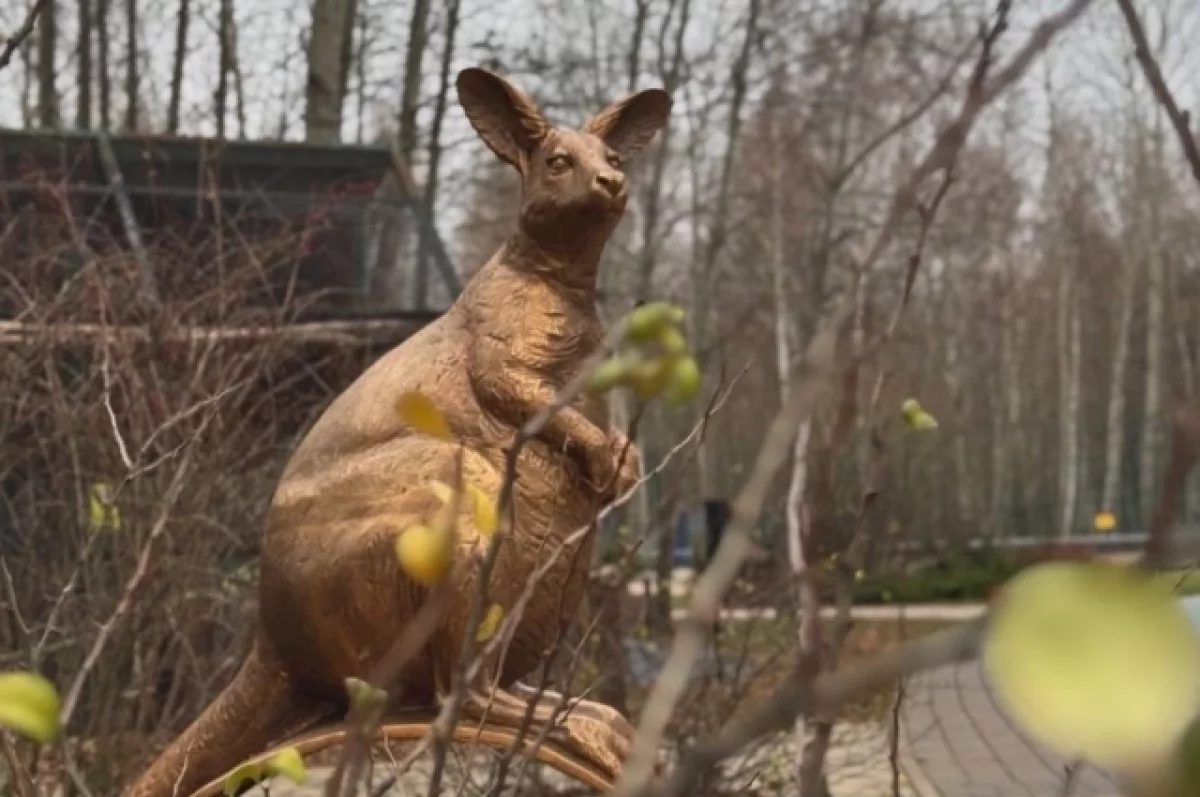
628 125
503 116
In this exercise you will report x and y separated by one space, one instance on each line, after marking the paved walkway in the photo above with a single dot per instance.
960 743
949 612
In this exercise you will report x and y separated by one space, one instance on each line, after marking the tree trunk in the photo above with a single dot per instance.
347 55
104 51
954 380
718 219
326 43
83 77
1155 311
360 74
47 68
181 43
224 57
1006 492
410 97
648 255
27 80
235 64
131 66
1069 368
1114 434
429 198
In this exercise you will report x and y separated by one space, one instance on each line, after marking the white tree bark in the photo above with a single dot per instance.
1114 433
326 67
954 380
798 481
1069 367
1155 311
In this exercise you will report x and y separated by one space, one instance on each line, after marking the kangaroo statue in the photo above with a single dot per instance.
332 596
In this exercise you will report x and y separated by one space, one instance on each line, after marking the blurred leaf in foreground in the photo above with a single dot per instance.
916 417
29 705
1097 661
286 762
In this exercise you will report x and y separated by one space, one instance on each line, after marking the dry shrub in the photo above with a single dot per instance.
142 399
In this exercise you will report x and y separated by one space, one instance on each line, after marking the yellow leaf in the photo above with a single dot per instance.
490 623
287 762
646 322
683 381
486 520
102 512
1105 521
650 377
672 341
609 374
426 553
29 705
923 422
419 412
1097 661
916 417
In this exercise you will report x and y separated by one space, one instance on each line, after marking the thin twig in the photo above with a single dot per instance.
20 34
22 784
135 581
106 378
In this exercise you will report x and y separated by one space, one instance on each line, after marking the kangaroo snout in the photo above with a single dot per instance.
611 183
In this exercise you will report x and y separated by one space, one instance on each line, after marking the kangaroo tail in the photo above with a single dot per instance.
260 705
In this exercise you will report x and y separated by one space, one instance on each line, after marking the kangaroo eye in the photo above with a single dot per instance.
614 160
558 163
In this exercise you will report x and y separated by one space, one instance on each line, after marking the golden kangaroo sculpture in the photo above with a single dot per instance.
332 595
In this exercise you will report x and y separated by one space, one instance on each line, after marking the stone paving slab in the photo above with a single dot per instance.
965 745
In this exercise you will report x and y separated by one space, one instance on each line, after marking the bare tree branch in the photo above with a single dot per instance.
1154 76
21 34
815 373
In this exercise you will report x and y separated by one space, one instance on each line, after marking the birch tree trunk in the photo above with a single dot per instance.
718 216
132 76
954 380
224 59
1069 368
795 507
410 97
1007 494
47 64
323 99
1114 434
429 200
83 75
1155 310
103 53
177 62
